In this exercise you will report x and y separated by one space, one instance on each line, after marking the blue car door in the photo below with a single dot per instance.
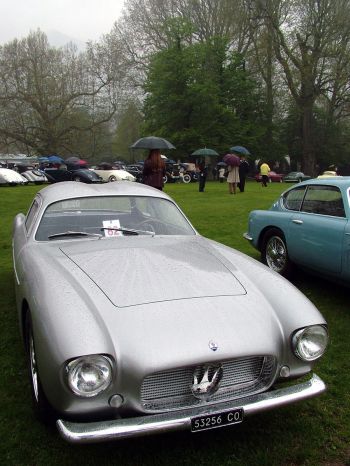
317 232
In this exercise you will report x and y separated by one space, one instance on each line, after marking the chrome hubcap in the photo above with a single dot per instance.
276 254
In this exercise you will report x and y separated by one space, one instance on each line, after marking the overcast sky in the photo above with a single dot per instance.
78 19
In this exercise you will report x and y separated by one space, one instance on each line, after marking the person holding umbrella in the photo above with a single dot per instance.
154 170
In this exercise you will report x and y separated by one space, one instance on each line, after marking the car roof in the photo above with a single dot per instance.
340 181
72 189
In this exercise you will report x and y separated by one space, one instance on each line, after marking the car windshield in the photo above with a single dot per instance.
108 216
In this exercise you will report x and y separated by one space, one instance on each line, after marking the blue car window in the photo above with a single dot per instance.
324 200
292 199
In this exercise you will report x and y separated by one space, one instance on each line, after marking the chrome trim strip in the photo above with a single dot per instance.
90 432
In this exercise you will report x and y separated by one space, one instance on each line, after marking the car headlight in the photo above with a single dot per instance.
311 342
89 375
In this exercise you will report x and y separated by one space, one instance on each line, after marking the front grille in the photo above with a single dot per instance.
241 377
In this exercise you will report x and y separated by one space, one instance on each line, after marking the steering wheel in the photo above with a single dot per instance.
149 223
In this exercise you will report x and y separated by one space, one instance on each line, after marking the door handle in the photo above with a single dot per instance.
298 222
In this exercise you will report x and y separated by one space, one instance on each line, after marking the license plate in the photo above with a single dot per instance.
212 421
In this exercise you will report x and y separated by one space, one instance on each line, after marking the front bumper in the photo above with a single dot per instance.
181 420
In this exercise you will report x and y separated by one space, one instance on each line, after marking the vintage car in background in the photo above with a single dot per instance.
295 177
273 177
32 174
328 174
71 173
136 170
113 353
110 173
307 226
11 178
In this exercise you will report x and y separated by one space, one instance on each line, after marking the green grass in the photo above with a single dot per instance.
315 432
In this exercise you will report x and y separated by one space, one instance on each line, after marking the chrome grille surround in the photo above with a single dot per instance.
171 390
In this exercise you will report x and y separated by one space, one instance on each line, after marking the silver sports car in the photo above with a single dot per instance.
135 324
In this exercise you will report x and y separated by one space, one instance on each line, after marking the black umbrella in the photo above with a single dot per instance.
205 152
152 142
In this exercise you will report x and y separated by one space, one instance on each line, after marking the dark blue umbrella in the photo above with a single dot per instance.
239 150
55 159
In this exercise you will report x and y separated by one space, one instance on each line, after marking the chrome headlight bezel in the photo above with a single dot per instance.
88 376
310 343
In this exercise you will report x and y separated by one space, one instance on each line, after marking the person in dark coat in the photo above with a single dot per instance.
154 170
243 172
203 171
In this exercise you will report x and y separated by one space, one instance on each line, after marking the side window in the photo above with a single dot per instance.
292 199
324 200
31 214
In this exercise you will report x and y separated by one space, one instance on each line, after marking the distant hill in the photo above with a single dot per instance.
58 39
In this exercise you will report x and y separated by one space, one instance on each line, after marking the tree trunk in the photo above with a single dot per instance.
308 164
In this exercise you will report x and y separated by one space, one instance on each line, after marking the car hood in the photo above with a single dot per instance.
140 270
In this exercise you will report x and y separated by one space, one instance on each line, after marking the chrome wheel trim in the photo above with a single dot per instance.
33 368
276 254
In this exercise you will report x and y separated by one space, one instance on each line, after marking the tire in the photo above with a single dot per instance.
42 408
274 253
165 179
112 178
77 178
186 178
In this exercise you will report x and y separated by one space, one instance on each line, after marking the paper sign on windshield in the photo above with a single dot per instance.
112 224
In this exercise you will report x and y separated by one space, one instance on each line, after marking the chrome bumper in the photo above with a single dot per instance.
247 236
90 432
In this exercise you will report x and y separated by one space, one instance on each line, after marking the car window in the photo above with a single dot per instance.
96 214
31 214
324 200
292 199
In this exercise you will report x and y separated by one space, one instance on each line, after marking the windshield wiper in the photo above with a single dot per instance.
74 233
129 231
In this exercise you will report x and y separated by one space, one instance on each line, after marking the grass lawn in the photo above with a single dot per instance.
314 432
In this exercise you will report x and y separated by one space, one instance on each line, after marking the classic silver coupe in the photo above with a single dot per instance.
135 324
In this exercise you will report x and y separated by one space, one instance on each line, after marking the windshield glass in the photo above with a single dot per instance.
109 215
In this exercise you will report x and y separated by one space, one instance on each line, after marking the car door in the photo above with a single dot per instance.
318 230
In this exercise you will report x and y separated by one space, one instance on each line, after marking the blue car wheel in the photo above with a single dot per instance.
274 252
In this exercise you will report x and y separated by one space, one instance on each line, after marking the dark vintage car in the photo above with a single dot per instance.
295 177
83 175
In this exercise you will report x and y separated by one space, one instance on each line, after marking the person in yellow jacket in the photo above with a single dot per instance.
264 172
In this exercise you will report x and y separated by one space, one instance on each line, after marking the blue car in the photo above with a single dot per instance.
307 226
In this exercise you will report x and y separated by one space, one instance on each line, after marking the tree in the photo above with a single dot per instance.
202 95
48 94
307 35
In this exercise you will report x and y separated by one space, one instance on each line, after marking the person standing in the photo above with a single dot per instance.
203 171
221 174
154 170
264 172
243 172
232 178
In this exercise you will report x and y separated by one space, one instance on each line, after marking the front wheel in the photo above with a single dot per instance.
274 252
42 407
186 178
77 178
112 178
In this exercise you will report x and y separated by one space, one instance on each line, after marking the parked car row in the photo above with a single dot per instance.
292 177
